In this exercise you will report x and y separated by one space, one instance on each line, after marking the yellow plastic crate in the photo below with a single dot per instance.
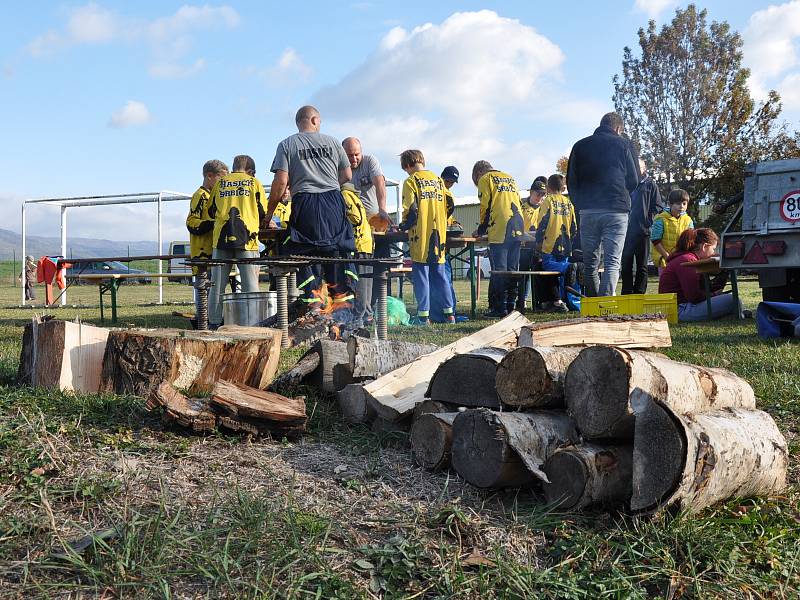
631 304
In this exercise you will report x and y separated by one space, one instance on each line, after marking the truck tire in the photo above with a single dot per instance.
784 293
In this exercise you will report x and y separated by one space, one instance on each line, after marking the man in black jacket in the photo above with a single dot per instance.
601 175
645 204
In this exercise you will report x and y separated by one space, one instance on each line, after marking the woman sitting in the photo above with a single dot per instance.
687 283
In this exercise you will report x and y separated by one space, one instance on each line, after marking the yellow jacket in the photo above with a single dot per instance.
667 229
530 217
238 203
425 217
501 212
357 216
282 212
200 225
557 226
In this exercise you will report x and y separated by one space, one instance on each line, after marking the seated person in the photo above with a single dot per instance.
687 283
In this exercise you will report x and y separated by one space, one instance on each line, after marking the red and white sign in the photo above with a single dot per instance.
790 207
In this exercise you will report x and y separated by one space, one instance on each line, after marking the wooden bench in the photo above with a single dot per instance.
109 283
530 275
400 273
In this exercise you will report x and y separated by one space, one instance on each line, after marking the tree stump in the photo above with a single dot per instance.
588 475
468 379
137 361
603 384
530 377
432 439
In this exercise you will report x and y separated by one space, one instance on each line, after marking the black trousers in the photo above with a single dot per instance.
635 256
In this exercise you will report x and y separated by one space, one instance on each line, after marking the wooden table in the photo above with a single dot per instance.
708 267
109 284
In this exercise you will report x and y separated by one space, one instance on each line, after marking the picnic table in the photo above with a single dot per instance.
108 283
708 267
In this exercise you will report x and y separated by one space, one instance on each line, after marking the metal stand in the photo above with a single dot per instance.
202 284
294 294
381 317
283 306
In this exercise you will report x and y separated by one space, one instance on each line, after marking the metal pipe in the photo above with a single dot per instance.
202 284
381 318
64 250
24 256
293 292
283 307
160 251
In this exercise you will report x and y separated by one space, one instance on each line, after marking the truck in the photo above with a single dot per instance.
764 233
175 267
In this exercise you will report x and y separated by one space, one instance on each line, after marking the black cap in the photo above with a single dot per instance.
450 174
539 186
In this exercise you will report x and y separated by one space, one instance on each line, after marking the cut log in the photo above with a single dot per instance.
623 331
395 394
534 377
431 406
373 358
332 353
239 400
468 379
137 361
62 355
353 404
602 383
432 439
187 412
588 475
294 376
493 450
694 461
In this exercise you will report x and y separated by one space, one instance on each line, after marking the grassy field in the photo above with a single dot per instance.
98 499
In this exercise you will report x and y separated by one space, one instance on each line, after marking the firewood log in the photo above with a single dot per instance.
468 379
432 439
530 377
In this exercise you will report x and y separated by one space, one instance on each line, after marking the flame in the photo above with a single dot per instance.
328 302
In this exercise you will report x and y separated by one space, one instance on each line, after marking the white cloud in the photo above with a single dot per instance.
290 67
170 38
653 8
771 42
458 91
132 114
176 71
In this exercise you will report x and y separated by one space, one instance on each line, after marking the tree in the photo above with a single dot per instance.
686 103
562 164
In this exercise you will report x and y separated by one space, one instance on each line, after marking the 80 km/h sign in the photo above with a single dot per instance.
790 207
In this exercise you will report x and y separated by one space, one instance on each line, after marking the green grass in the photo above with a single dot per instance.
344 513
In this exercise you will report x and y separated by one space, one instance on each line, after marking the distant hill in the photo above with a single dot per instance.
37 246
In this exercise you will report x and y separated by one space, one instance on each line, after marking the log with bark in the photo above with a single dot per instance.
529 377
371 358
589 474
137 361
623 331
494 450
602 383
432 406
432 439
468 379
62 355
295 376
394 395
193 413
695 460
353 404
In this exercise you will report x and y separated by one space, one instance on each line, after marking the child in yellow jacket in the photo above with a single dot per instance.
668 227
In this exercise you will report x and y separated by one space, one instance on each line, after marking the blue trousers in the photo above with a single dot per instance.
428 279
552 262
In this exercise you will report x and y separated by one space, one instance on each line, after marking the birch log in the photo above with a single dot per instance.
432 440
468 379
589 474
493 450
602 383
530 377
372 358
693 461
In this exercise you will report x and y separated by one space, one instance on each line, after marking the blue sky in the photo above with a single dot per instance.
117 97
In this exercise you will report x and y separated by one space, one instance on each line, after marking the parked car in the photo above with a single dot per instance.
175 266
105 268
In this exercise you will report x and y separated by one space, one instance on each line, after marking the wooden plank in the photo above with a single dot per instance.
394 395
623 331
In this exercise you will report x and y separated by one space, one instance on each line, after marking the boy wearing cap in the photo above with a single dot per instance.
557 228
425 219
527 255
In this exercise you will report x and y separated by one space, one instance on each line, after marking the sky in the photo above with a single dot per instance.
121 97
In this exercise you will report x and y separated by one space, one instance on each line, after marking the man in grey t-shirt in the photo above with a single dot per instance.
314 165
367 178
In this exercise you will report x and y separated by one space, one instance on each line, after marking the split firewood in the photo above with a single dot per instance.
623 331
432 439
530 377
602 383
62 355
394 395
696 460
373 358
588 475
186 412
468 379
294 376
353 404
243 401
136 361
494 450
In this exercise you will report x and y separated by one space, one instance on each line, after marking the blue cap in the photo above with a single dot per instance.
450 173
